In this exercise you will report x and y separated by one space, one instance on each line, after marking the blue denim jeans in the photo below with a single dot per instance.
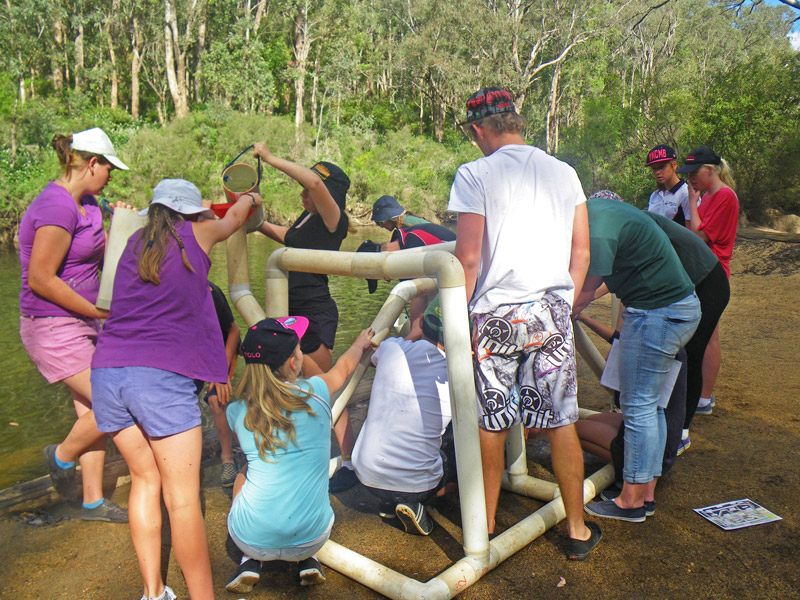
649 341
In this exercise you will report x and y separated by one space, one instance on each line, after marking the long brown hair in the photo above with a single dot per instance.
72 159
155 238
270 403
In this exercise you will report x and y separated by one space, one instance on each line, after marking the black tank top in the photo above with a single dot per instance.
308 292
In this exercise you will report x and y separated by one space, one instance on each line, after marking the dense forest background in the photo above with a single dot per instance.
378 86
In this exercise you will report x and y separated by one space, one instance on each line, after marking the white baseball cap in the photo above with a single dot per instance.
96 141
180 195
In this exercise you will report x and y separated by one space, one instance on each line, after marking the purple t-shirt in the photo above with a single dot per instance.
79 269
171 326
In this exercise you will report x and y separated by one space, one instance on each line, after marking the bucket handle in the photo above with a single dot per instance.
258 171
107 205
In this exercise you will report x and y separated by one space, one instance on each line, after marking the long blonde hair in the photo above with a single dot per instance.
725 173
160 224
270 403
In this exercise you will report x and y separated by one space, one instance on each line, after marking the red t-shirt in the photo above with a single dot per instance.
719 218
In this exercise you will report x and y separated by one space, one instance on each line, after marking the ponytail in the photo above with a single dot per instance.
724 172
72 159
160 223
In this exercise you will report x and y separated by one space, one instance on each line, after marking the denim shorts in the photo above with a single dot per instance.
525 368
295 554
161 402
60 347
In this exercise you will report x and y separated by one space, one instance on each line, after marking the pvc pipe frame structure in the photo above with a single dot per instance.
438 268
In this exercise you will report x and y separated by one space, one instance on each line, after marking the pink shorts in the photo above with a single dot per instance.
60 347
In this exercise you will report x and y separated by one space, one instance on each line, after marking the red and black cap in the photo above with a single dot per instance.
699 157
487 102
659 154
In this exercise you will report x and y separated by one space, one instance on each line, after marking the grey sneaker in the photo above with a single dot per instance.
63 479
167 595
228 475
107 511
414 517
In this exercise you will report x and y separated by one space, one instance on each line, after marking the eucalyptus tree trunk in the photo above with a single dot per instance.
174 59
55 61
552 112
314 89
261 12
302 47
80 66
136 67
114 72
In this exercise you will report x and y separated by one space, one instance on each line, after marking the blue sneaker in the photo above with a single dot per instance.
706 409
607 509
684 445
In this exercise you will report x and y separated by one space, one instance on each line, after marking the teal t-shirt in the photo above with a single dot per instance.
696 257
284 503
409 220
634 257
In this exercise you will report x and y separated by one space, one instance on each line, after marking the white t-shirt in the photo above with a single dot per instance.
667 202
409 408
528 199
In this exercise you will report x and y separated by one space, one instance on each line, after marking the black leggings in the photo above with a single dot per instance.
714 293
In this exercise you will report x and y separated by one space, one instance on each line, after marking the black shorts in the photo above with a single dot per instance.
322 326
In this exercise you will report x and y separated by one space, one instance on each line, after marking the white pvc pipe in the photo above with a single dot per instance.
464 572
239 279
399 297
450 276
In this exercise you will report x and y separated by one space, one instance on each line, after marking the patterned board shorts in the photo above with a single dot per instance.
525 365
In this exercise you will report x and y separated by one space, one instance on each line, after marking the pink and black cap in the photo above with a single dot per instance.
699 157
272 341
488 102
659 154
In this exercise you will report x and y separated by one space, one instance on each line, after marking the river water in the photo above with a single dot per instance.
34 414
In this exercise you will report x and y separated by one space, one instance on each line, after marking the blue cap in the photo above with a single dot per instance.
386 208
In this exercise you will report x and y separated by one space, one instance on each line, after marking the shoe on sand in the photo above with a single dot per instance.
107 511
245 577
579 549
613 492
342 480
414 517
684 445
311 572
607 509
168 594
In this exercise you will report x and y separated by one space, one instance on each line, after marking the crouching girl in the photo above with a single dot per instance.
281 509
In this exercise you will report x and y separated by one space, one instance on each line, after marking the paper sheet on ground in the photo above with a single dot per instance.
610 377
737 514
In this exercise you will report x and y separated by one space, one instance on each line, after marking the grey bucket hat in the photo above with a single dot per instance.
179 195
